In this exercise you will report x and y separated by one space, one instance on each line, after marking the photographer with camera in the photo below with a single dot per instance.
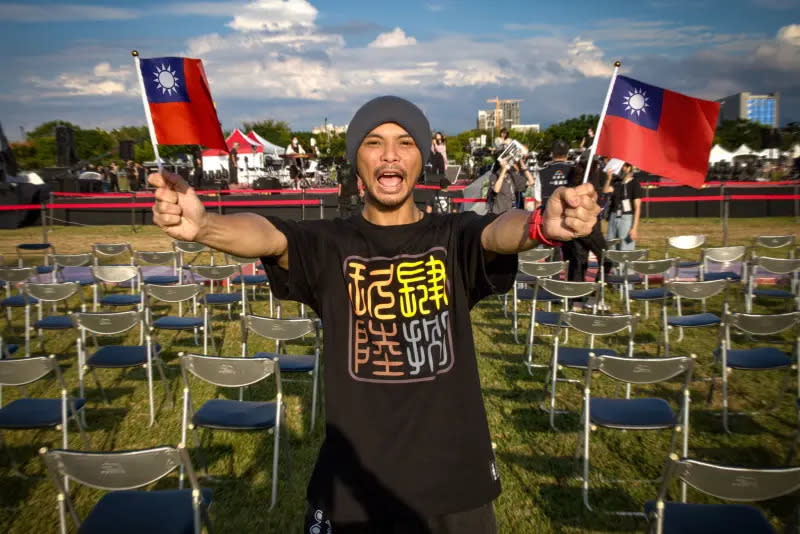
509 177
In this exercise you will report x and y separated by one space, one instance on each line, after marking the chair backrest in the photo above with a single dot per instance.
226 371
53 292
723 254
175 293
241 260
71 260
762 325
731 483
696 290
21 371
598 325
535 254
777 265
641 370
279 329
215 272
111 249
189 247
685 242
622 256
775 241
154 258
652 267
543 269
568 290
107 323
16 274
114 274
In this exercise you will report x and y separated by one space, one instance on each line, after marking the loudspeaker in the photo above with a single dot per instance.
126 150
771 138
65 146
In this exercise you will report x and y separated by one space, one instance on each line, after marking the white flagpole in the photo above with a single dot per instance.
600 123
153 140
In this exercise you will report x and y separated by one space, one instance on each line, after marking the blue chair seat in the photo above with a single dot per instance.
300 363
112 356
638 414
250 279
689 264
543 295
161 279
525 278
548 318
686 518
723 275
133 512
44 269
17 301
54 322
34 413
619 279
221 298
33 246
80 280
773 293
120 299
225 414
758 358
579 356
11 348
177 323
697 319
654 293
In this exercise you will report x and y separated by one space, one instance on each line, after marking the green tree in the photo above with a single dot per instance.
277 132
732 134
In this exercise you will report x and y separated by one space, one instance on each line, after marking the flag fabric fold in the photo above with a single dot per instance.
660 131
180 104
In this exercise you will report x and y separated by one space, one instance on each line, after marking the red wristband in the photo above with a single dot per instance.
535 229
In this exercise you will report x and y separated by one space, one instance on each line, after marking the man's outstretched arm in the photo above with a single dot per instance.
180 213
570 213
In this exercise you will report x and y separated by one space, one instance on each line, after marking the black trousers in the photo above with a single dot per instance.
577 252
479 520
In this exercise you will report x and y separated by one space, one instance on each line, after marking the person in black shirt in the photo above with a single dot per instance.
554 174
347 192
441 201
624 207
407 445
197 176
233 164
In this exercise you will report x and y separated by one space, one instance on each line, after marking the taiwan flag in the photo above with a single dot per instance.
659 131
180 102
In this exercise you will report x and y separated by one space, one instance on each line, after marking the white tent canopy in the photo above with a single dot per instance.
743 150
719 154
269 148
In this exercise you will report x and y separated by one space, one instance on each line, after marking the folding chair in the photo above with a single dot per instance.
620 259
527 273
759 358
72 261
677 291
777 266
723 256
728 483
684 242
221 274
641 413
109 251
233 415
283 330
36 249
116 275
174 294
117 356
564 357
14 278
535 272
647 294
52 293
254 280
28 413
143 259
126 509
184 248
774 242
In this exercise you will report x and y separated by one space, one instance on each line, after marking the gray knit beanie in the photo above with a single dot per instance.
388 109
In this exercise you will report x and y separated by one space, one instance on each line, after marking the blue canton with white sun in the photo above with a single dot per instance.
164 80
636 101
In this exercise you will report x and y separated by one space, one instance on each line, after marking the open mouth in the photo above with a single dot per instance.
390 180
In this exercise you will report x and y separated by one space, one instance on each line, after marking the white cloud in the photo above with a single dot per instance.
585 57
63 12
274 15
102 81
393 39
210 9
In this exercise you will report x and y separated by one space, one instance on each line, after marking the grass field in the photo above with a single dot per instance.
541 491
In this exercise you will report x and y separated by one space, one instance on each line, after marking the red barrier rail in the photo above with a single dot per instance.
129 205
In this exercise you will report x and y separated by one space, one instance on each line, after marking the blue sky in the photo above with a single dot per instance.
305 60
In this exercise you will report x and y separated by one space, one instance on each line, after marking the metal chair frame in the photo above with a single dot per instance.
43 293
782 266
14 277
774 242
39 248
172 294
114 274
253 263
527 273
537 271
691 291
111 250
622 259
222 274
684 242
646 269
59 261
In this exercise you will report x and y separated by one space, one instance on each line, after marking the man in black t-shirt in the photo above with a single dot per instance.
407 446
554 174
441 201
624 207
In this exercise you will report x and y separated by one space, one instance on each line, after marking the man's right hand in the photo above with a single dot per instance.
177 210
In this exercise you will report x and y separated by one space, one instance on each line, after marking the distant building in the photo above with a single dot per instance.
763 109
486 120
507 116
510 115
526 128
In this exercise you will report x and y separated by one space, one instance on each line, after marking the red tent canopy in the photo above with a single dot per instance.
246 145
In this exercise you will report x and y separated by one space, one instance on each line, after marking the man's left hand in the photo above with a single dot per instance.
570 212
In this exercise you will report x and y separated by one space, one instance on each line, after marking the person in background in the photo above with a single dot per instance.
439 154
296 167
624 207
130 174
348 194
506 182
555 173
502 140
113 177
233 165
141 175
197 177
441 201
